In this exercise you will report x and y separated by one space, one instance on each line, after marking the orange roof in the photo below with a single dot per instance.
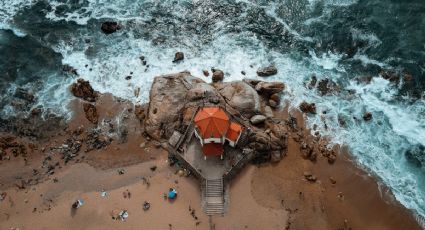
234 131
212 149
212 122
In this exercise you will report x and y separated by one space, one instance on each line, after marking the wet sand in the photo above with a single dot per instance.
261 197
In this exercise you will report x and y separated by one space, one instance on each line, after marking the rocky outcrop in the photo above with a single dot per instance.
91 113
269 88
179 56
82 89
267 71
308 107
241 97
167 99
110 27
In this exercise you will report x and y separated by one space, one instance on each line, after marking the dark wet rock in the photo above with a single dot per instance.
82 89
110 27
69 69
341 120
36 111
128 78
416 155
308 107
367 116
313 82
390 75
24 94
364 79
206 73
407 77
218 76
268 88
91 112
243 73
327 86
179 56
257 119
267 71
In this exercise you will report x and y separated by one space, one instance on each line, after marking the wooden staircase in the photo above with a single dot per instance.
213 196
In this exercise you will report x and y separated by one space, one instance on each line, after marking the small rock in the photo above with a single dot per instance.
273 103
367 116
267 71
332 180
179 56
142 145
217 76
206 73
309 176
153 168
268 112
110 27
258 119
275 97
308 107
128 78
243 73
121 171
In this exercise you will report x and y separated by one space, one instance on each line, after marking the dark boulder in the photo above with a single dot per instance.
110 27
83 89
308 107
269 88
217 76
179 56
367 116
267 71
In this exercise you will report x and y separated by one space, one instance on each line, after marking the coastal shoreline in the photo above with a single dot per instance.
353 201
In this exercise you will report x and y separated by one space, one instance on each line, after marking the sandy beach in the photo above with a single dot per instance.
267 196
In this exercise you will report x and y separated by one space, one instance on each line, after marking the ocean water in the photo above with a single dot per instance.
341 40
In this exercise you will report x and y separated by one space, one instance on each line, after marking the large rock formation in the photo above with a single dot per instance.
175 98
241 97
167 98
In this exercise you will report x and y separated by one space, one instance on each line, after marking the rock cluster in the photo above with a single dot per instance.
175 97
82 89
308 107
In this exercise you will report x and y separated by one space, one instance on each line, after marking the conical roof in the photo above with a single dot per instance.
212 122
